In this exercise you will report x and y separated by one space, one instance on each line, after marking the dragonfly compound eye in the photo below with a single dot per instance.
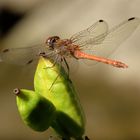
51 41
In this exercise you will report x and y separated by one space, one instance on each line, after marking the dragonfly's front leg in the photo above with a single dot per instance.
67 66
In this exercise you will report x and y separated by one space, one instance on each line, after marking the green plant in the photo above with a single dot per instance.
52 104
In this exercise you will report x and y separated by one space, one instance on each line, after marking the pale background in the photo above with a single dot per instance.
110 96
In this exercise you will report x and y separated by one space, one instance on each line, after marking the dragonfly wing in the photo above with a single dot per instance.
21 56
89 35
114 38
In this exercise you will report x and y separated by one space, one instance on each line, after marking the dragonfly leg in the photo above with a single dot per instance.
67 66
58 74
54 81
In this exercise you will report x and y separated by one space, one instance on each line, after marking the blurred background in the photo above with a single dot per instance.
110 96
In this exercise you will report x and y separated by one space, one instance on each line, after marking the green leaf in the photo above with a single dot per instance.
69 120
35 110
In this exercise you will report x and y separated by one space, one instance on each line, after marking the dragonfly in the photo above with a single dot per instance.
95 43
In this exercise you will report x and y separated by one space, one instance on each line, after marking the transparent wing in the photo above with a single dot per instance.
23 56
90 35
113 39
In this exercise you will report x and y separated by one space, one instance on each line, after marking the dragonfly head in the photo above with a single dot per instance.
51 41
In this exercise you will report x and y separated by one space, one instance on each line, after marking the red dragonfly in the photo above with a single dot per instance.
94 43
